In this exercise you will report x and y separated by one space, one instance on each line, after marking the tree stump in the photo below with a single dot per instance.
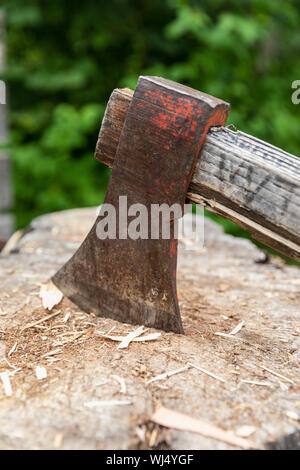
219 286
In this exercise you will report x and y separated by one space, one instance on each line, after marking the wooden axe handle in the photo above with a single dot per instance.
237 176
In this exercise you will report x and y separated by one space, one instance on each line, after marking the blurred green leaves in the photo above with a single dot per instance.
188 21
54 172
65 58
69 127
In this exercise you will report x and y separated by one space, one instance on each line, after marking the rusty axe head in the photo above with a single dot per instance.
133 279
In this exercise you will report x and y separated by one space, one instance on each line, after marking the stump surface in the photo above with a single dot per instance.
218 287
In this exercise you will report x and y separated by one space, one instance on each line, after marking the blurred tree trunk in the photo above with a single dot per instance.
6 220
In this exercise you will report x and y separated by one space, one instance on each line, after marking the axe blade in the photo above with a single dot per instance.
134 281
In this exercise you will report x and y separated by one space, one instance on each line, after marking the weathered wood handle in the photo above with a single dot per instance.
237 176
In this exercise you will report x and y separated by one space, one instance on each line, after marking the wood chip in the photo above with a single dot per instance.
153 437
52 353
233 332
292 415
9 364
51 360
100 403
66 317
2 351
236 338
12 350
165 375
283 386
50 295
121 382
141 433
58 440
206 372
13 372
127 340
6 383
276 373
33 324
70 333
149 337
253 382
70 340
40 372
237 328
175 420
245 431
227 335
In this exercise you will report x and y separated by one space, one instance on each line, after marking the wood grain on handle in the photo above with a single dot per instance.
237 176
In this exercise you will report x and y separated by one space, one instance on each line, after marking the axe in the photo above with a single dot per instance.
166 144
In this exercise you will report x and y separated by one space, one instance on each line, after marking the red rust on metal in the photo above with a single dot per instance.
134 281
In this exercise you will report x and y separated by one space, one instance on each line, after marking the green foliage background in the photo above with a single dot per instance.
65 57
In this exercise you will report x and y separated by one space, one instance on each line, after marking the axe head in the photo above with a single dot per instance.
132 279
